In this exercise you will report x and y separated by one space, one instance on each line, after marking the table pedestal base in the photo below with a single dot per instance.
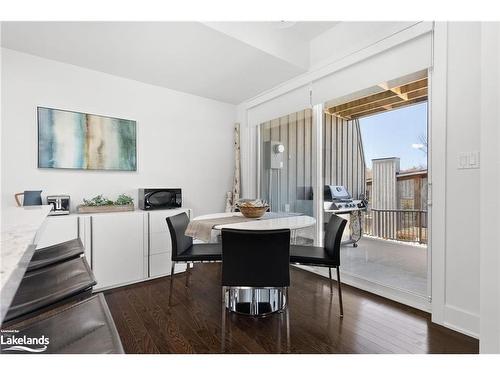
255 301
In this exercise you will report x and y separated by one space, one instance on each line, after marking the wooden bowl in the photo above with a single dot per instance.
253 212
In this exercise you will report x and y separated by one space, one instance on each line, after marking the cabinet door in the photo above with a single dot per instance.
117 248
58 229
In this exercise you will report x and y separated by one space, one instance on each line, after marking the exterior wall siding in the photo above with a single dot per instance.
290 188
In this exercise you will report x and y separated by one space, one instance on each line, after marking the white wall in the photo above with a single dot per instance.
461 305
0 121
182 140
490 186
348 37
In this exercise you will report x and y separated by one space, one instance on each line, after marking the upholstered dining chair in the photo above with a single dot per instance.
327 256
183 249
256 260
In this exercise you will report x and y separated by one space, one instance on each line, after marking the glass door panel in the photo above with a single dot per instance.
286 166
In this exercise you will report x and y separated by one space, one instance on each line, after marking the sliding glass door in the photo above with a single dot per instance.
286 177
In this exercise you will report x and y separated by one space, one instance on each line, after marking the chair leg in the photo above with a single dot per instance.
172 270
340 293
331 281
226 336
188 270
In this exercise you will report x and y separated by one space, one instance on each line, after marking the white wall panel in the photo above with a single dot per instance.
399 61
290 102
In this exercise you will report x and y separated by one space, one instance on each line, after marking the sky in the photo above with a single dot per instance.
396 133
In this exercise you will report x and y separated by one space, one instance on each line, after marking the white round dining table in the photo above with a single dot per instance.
264 223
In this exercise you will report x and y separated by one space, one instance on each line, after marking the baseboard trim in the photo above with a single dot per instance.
406 298
461 321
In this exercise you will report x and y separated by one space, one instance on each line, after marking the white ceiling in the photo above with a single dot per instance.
227 61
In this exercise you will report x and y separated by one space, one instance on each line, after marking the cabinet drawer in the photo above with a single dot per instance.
157 219
160 242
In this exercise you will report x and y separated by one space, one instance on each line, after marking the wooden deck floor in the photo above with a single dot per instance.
193 324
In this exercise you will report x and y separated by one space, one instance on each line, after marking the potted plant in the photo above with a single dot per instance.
102 204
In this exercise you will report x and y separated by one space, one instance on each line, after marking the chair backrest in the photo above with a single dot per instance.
30 198
333 236
256 258
177 226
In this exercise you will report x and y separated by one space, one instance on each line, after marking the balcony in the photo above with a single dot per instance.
399 225
396 264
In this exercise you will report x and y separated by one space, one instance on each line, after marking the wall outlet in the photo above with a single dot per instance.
469 160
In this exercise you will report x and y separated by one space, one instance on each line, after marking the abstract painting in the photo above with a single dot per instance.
82 141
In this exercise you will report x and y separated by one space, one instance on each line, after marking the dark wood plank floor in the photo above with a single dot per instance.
193 324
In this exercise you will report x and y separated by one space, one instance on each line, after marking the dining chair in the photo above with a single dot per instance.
327 256
253 261
183 249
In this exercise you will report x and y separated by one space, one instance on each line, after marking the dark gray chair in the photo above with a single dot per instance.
327 256
256 259
183 249
86 327
55 254
49 287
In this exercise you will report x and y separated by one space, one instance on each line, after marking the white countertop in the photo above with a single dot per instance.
19 228
289 222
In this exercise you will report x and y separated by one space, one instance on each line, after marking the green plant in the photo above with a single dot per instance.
124 200
100 200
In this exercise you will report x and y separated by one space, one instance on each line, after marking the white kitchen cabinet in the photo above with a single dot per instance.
117 248
58 229
121 247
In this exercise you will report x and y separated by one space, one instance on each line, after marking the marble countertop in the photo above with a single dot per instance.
19 229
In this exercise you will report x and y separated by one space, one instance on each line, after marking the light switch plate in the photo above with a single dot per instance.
469 160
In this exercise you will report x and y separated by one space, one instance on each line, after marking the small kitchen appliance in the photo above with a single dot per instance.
59 203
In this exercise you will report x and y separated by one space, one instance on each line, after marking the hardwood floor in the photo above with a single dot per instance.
193 324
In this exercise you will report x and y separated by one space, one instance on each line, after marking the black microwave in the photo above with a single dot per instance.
157 199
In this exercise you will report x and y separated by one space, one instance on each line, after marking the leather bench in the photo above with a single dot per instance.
51 255
50 286
86 327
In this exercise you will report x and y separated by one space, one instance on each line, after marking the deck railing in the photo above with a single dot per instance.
401 225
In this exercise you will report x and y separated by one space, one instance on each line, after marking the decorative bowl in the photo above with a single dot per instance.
253 212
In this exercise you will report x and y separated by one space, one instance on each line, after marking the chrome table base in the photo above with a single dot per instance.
255 301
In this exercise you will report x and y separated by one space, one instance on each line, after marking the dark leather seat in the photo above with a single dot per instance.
183 249
50 255
201 253
327 256
256 258
49 286
310 255
86 327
